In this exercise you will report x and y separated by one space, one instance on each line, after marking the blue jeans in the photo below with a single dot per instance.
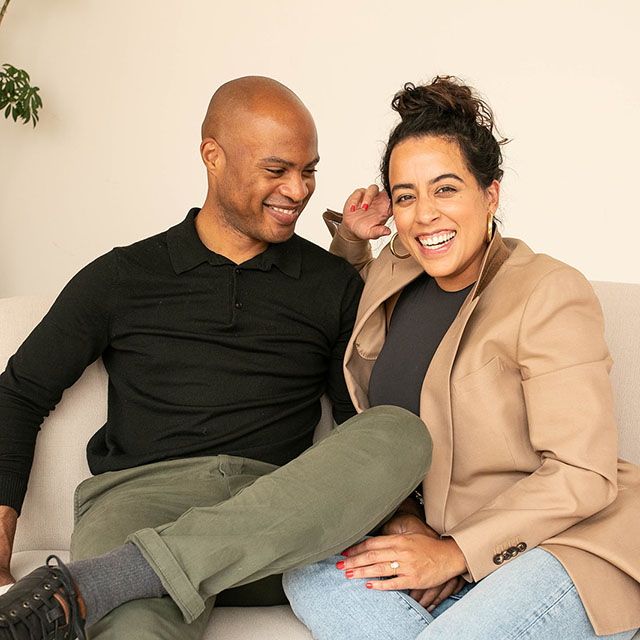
530 597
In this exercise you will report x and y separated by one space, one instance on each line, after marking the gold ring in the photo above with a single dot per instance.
394 565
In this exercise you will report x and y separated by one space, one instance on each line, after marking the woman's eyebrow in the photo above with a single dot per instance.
406 185
446 176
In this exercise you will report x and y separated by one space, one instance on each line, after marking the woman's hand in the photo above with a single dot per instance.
427 565
365 213
428 598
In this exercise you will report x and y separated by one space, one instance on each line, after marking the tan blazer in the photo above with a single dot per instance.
520 408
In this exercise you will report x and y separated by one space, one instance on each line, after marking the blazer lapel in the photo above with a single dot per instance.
435 398
435 411
386 278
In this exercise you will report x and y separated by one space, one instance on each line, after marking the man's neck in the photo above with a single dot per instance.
222 239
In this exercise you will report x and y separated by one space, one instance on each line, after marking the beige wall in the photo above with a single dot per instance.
125 84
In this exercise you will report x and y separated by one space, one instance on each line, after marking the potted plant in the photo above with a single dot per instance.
18 99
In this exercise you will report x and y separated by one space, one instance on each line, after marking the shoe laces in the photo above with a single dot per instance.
51 611
74 614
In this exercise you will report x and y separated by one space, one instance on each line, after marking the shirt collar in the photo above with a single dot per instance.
187 251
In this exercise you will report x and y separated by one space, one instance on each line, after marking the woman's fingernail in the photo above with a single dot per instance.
352 207
369 585
340 564
349 573
344 553
365 206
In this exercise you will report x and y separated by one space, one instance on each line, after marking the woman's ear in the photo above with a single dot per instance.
492 193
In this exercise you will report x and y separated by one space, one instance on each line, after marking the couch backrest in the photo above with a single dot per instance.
60 462
621 307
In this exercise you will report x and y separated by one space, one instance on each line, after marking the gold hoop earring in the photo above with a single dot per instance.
490 228
393 249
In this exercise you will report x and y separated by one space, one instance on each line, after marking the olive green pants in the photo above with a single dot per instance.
210 524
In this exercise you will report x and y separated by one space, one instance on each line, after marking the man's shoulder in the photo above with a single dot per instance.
148 253
152 244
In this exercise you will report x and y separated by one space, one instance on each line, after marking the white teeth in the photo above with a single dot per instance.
289 212
435 241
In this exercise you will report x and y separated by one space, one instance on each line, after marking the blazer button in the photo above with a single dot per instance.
498 558
521 547
513 552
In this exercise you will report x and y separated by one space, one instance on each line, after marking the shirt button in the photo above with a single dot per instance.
238 270
238 305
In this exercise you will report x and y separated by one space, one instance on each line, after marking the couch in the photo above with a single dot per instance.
60 450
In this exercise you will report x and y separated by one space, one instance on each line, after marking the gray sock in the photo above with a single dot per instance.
114 578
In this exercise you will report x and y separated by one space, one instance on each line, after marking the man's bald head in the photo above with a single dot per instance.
238 101
260 148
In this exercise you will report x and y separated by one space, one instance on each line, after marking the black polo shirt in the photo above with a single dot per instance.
204 356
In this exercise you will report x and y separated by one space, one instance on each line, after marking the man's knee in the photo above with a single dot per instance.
401 433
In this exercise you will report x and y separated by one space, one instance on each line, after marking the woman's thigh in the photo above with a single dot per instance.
336 608
530 598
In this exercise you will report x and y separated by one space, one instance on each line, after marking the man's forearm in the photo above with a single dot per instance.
8 520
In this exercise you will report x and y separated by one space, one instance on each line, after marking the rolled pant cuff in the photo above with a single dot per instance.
171 574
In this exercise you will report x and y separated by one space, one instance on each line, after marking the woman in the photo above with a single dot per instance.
530 525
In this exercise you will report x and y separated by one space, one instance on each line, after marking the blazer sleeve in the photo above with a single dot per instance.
564 362
356 252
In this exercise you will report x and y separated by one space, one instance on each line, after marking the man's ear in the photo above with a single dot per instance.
212 154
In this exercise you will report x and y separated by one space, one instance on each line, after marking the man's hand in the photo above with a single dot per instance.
365 213
8 520
408 523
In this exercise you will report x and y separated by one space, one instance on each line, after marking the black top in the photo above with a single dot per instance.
204 356
421 317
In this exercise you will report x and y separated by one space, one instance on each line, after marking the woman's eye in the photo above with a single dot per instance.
446 189
403 198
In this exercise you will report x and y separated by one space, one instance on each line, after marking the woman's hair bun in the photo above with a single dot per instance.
448 108
446 97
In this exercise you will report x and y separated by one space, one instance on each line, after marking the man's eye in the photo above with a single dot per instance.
310 172
276 172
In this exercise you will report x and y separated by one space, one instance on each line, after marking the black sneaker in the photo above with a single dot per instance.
42 606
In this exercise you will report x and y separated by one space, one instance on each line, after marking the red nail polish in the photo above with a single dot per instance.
344 553
369 585
349 573
365 206
340 564
352 207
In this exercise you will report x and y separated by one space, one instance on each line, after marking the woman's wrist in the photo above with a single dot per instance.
458 561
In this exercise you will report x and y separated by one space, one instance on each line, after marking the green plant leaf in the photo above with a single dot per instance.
18 96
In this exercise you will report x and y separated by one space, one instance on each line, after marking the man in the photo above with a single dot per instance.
219 336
